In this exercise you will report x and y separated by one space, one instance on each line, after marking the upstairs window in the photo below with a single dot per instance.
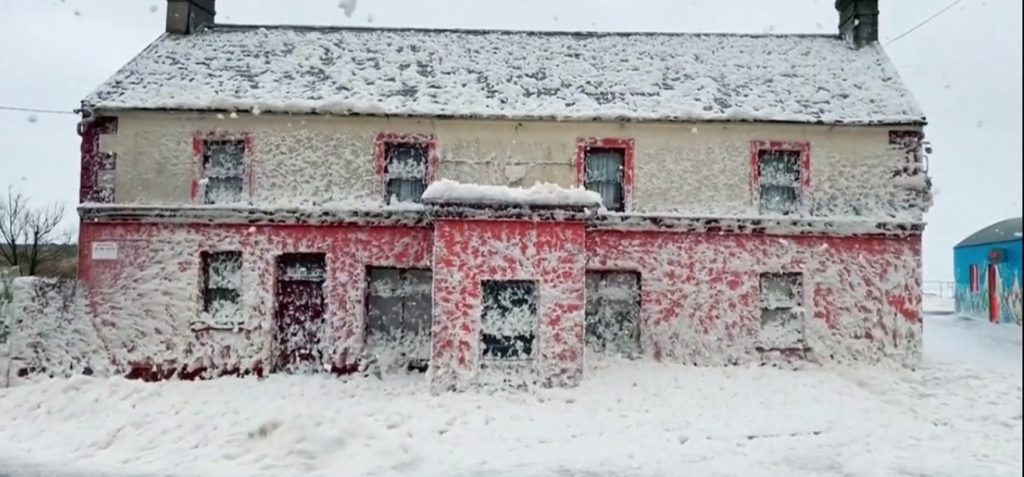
604 175
406 171
405 165
223 171
780 176
782 313
605 166
509 320
222 285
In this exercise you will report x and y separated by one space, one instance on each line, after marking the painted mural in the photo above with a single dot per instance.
988 281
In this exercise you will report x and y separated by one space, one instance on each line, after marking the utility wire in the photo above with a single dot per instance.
34 110
926 20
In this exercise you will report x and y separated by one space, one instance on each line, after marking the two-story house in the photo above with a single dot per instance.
283 198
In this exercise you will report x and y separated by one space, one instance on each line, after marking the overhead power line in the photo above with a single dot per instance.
926 20
34 110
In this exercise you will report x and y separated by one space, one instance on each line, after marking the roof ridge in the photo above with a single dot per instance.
484 31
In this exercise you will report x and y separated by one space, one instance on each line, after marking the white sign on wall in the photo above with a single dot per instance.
104 250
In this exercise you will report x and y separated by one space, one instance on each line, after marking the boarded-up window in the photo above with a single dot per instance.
406 170
779 180
509 320
605 175
222 284
223 170
612 313
782 313
398 316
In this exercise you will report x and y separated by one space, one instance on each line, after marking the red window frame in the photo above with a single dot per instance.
803 147
627 145
380 159
199 148
975 278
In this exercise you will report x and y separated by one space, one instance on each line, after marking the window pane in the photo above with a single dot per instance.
779 167
224 270
222 190
302 267
405 190
781 290
407 161
222 283
223 158
509 318
778 199
406 171
781 328
604 174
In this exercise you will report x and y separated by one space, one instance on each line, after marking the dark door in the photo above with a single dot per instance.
398 317
613 313
299 312
993 293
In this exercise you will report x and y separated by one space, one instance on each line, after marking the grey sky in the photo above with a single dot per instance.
964 68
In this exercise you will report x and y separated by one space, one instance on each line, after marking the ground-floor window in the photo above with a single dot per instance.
612 313
509 319
782 313
222 285
398 316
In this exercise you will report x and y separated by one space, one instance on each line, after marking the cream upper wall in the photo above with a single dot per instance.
698 169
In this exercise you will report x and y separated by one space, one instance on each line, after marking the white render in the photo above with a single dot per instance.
695 169
514 75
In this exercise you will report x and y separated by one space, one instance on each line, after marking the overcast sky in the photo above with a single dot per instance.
964 67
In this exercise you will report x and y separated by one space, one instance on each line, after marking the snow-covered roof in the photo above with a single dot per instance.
447 191
1002 231
514 75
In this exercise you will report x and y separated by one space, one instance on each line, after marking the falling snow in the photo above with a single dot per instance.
348 6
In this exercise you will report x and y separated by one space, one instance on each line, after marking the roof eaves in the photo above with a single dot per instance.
893 123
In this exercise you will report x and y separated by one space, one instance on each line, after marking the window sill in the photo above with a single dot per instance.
213 326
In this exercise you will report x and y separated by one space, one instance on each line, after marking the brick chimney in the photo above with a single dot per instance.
188 16
858 21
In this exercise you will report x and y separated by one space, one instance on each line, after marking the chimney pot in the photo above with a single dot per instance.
188 16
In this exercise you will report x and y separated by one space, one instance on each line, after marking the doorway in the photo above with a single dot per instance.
299 314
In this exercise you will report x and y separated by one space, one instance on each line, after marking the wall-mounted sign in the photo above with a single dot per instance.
104 250
996 255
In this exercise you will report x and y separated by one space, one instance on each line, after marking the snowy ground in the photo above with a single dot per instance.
958 416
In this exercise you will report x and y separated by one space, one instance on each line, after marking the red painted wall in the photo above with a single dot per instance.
146 300
700 292
467 252
700 297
